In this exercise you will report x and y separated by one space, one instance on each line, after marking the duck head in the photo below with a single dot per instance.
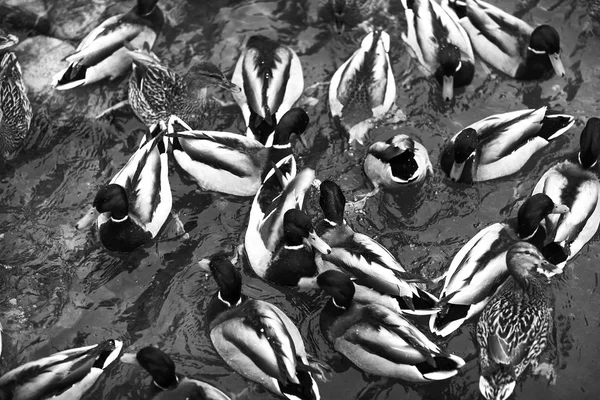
401 158
533 211
298 229
524 260
158 364
465 146
7 40
449 60
339 286
545 40
295 121
589 143
332 202
113 199
204 74
228 279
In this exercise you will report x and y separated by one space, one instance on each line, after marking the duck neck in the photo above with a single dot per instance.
166 384
145 10
230 298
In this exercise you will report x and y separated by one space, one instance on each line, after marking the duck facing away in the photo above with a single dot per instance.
272 81
349 14
440 44
102 53
67 374
514 327
167 384
15 108
379 341
575 184
479 267
507 43
501 144
256 339
363 89
231 163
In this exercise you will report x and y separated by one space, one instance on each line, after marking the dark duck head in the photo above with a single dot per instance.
589 144
298 230
465 146
545 42
158 364
449 66
113 199
533 211
332 202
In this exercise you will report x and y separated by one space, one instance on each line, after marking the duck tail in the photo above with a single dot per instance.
423 303
71 77
321 370
554 125
459 7
448 319
306 389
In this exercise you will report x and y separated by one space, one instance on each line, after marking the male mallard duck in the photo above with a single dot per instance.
137 202
576 186
500 144
256 339
15 108
439 43
348 14
231 163
508 43
479 267
168 384
367 260
379 341
66 375
513 328
363 89
102 53
271 79
277 229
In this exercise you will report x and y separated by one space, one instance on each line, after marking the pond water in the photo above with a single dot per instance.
61 288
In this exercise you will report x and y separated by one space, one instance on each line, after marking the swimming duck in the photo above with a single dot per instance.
368 261
479 267
501 144
137 201
574 184
102 53
439 43
67 374
514 327
256 339
363 89
348 14
271 79
15 108
169 384
508 43
231 163
380 341
278 231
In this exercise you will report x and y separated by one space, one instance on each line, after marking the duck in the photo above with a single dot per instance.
514 326
15 108
575 184
67 374
362 90
380 341
501 144
102 53
479 267
272 81
365 259
256 339
349 14
278 230
436 39
136 203
232 163
508 43
166 383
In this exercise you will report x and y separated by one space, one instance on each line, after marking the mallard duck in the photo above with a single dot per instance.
272 81
380 341
15 108
576 186
508 43
349 14
137 201
514 327
439 43
256 339
102 53
501 144
479 267
66 375
231 163
169 384
368 261
363 89
278 231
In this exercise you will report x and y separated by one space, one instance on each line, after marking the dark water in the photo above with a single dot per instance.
62 289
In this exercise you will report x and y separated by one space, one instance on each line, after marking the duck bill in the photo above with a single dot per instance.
308 283
548 269
228 85
130 358
557 64
317 243
560 209
9 41
302 140
456 171
87 220
448 87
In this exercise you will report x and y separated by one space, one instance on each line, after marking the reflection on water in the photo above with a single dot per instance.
62 289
